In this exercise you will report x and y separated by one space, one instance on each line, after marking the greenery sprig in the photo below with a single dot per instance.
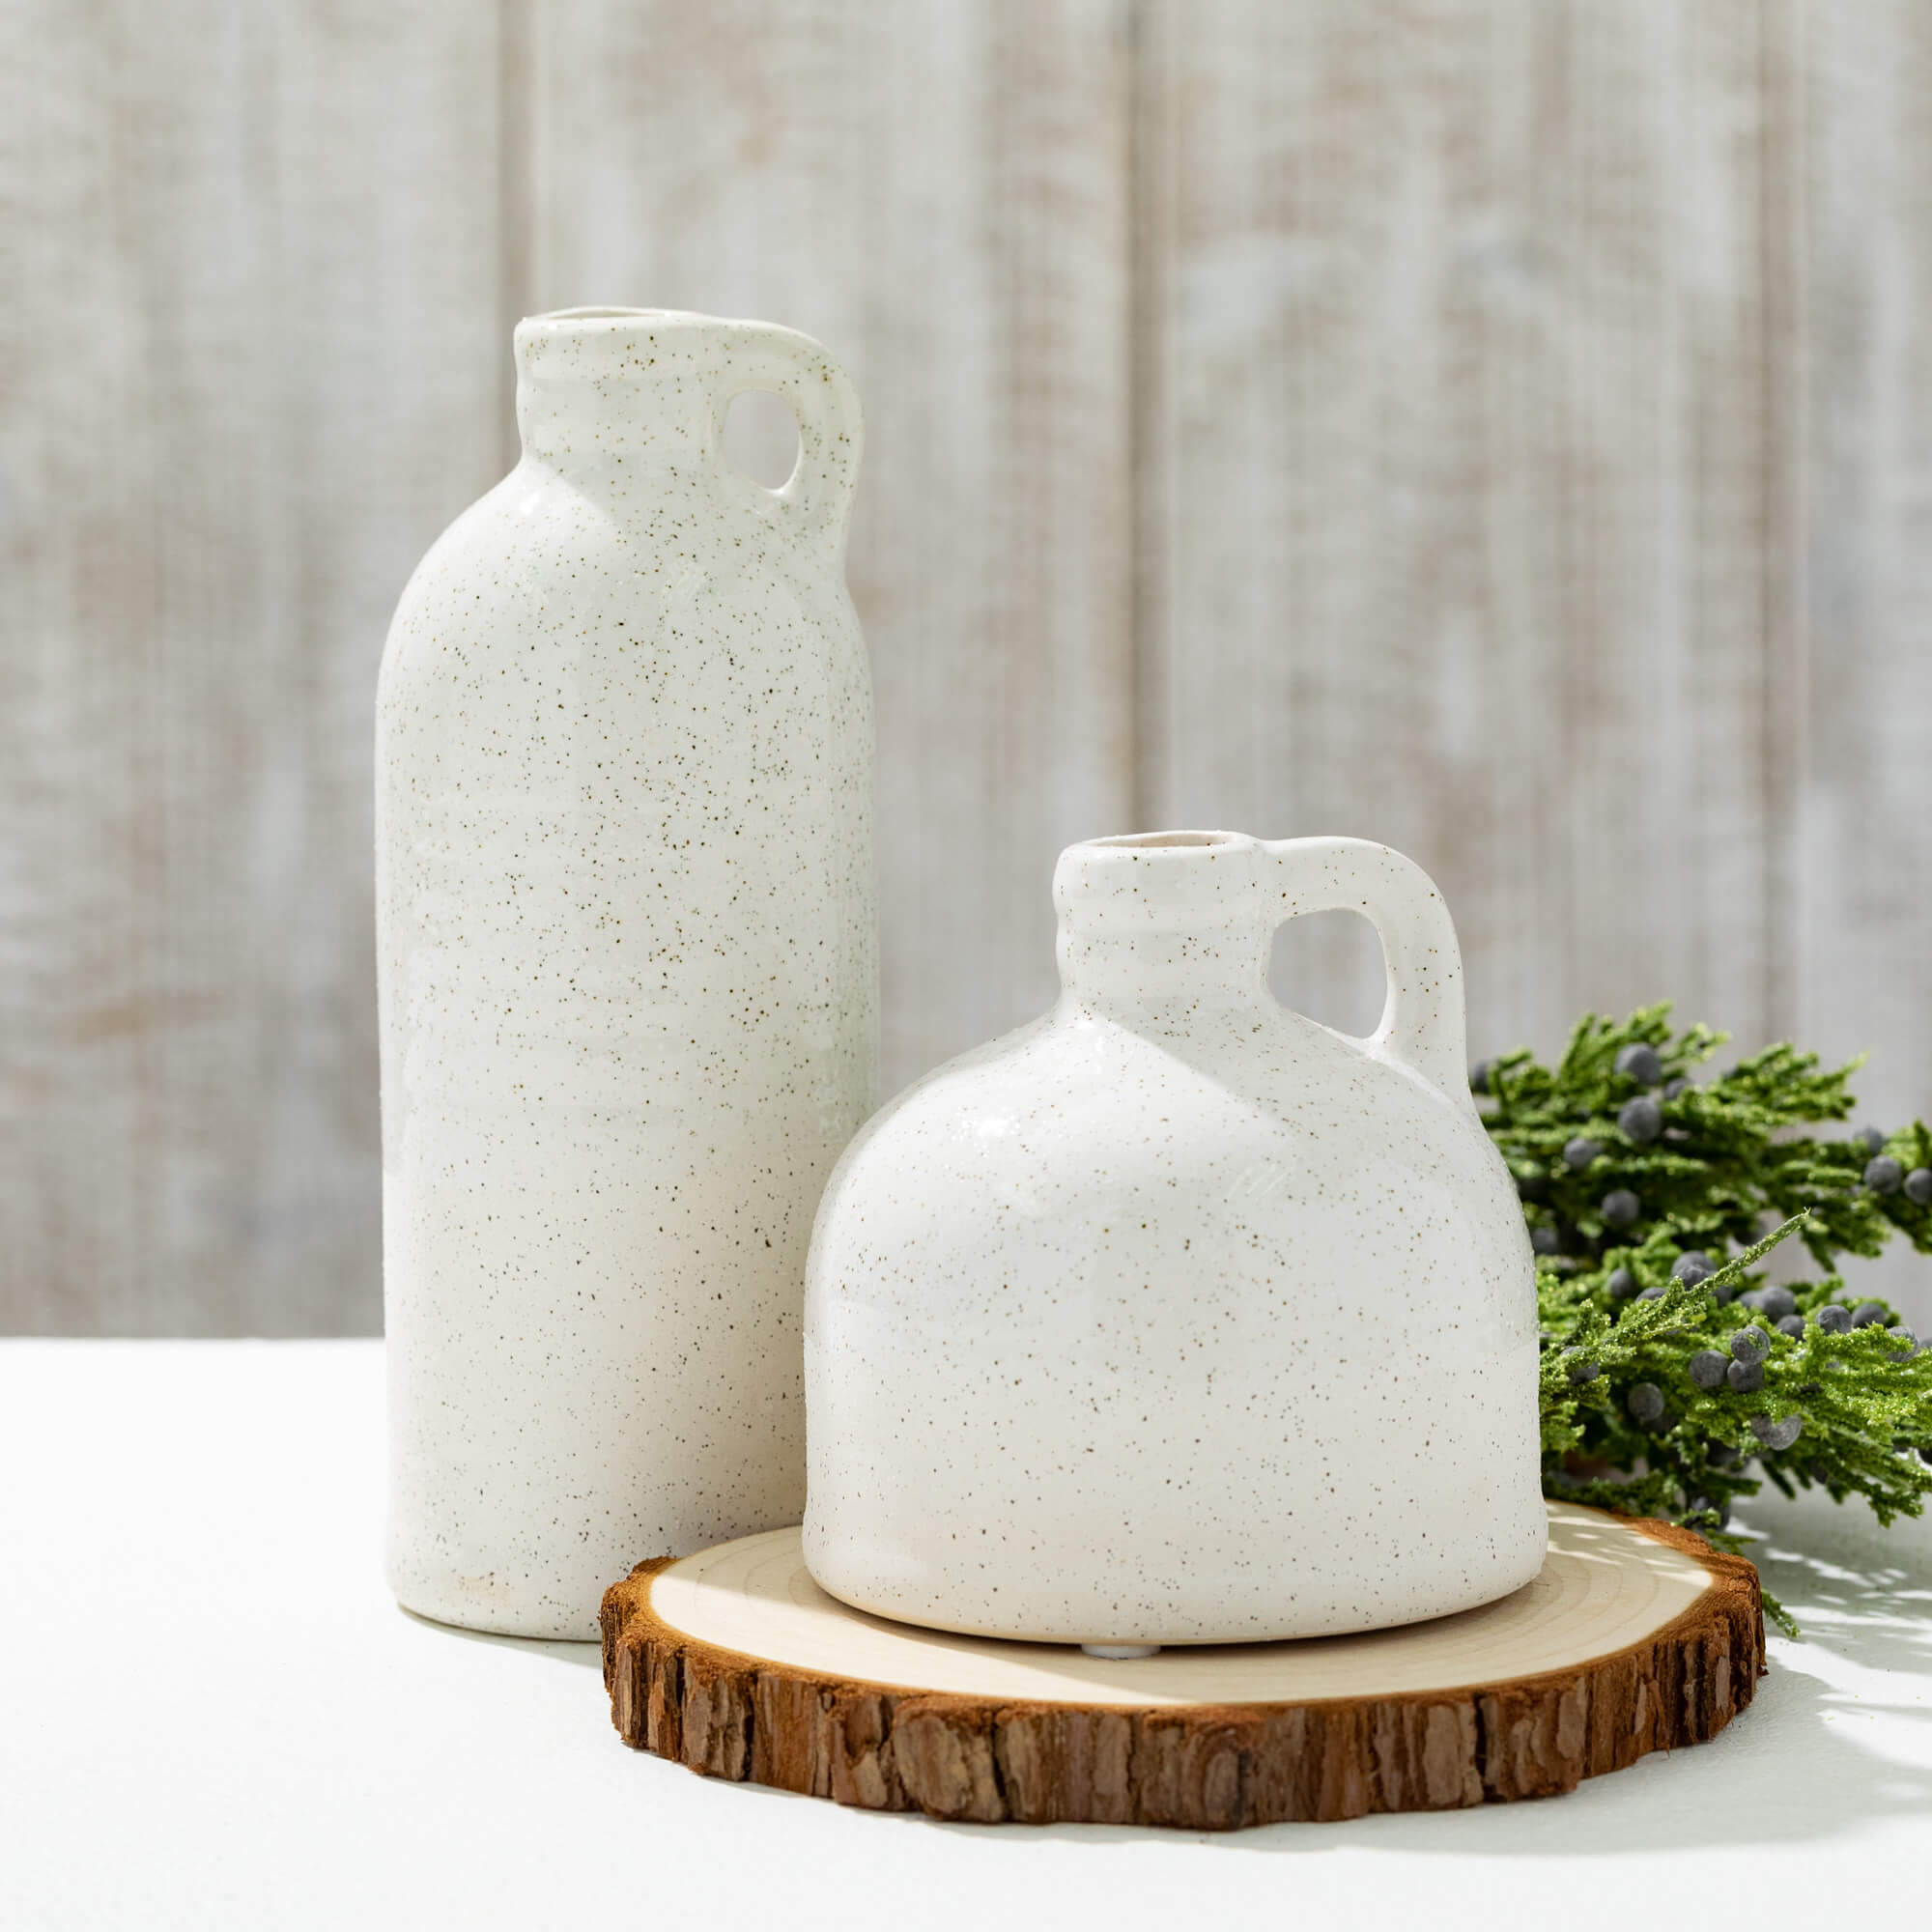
1674 1379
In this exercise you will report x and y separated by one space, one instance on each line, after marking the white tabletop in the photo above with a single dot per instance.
212 1714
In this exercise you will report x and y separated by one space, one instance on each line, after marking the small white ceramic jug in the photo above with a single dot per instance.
1176 1317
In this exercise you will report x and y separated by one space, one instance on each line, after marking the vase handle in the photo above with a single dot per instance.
1423 1024
816 499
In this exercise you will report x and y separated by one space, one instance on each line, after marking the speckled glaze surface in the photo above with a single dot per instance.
1176 1317
626 919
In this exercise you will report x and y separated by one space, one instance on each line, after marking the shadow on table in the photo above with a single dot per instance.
1792 1768
588 1656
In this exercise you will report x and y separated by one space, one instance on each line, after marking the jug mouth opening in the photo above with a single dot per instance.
1162 841
598 314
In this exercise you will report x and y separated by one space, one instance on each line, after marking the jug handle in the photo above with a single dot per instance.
1423 1023
816 499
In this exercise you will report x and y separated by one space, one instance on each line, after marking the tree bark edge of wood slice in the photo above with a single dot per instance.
728 1714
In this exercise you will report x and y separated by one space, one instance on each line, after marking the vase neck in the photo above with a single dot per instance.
1162 925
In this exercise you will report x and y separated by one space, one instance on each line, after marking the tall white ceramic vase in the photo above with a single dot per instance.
626 928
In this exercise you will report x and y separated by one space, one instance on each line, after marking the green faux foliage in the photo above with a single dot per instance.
1716 1166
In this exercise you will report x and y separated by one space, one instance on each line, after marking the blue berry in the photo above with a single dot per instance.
1834 1318
1778 1434
1919 1186
1479 1076
1871 1139
1747 1378
1641 1120
1544 1241
1775 1301
1706 1367
1883 1175
1639 1063
1905 1335
1792 1326
1750 1345
1869 1312
1583 1372
1621 1285
1581 1151
1692 1267
1651 1295
1674 1088
1646 1404
1621 1207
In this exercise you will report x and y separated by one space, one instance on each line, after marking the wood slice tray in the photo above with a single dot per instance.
1636 1637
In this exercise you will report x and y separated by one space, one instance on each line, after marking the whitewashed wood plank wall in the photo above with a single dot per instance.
1501 427
252 343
